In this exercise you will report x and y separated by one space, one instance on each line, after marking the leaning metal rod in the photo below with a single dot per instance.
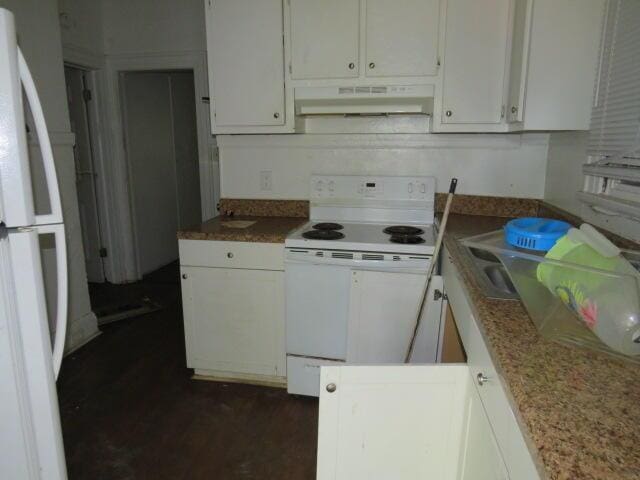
434 259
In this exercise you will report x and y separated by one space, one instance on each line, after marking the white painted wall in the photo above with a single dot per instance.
81 30
39 38
494 164
152 26
567 154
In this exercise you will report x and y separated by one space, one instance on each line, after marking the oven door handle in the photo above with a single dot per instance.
414 264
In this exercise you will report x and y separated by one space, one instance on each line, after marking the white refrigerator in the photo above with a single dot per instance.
30 351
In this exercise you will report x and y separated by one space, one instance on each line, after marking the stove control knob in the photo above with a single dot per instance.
410 189
319 185
423 188
331 186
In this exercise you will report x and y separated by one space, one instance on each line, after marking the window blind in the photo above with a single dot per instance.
615 118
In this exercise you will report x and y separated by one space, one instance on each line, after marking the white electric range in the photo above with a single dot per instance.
354 274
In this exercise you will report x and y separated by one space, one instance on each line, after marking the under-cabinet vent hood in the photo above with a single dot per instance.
364 100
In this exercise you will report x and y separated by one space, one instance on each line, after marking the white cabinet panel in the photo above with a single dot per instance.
382 318
402 37
246 63
503 422
519 59
480 456
234 320
217 253
324 38
476 35
563 59
404 422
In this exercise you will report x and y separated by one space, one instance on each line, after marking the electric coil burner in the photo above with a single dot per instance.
403 230
406 239
327 226
323 235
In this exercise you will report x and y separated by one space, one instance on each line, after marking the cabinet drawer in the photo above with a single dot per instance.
213 253
487 381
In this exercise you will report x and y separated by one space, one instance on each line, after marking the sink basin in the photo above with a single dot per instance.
490 274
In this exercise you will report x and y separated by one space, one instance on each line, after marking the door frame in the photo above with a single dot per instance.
96 137
123 255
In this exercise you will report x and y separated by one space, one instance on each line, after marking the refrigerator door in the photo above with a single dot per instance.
30 436
16 196
16 202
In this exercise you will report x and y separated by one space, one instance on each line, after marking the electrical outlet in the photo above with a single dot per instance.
265 181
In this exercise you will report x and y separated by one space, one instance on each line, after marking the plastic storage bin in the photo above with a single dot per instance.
535 233
614 297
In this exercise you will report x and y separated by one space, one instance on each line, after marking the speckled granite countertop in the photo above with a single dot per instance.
580 409
264 229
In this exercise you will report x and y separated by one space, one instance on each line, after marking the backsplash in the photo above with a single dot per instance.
279 166
264 208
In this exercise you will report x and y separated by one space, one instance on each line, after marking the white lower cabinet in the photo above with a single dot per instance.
404 422
504 424
234 320
431 421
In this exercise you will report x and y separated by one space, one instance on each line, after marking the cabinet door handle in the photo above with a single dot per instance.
184 276
448 113
372 65
514 109
331 387
352 66
482 378
229 255
276 115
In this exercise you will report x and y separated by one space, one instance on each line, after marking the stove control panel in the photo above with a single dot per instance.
381 188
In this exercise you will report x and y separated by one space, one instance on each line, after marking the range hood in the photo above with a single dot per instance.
364 100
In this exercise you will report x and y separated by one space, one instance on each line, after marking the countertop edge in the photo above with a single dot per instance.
533 449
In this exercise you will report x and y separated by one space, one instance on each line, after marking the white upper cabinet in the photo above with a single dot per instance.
325 39
246 66
475 49
561 48
494 65
518 67
360 39
401 37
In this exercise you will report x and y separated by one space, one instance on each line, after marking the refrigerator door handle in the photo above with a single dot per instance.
62 302
45 145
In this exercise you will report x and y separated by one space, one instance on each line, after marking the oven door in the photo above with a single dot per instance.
317 309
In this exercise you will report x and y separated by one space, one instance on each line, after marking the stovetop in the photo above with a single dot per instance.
363 236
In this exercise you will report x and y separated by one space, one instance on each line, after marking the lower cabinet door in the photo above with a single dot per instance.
382 317
234 320
404 422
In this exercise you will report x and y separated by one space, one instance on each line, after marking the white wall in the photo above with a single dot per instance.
81 30
39 38
497 164
567 154
153 26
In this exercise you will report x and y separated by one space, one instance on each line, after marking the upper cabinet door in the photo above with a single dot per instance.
404 422
246 63
475 51
324 39
519 57
402 37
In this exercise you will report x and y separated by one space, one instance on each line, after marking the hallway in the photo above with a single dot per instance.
131 411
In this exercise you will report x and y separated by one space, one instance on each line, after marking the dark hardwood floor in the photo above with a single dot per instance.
130 409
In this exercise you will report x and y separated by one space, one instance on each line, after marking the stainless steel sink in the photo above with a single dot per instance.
490 274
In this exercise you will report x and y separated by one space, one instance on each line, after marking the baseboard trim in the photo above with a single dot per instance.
81 331
234 377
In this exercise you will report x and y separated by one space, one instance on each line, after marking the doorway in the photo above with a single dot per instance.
79 93
161 143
